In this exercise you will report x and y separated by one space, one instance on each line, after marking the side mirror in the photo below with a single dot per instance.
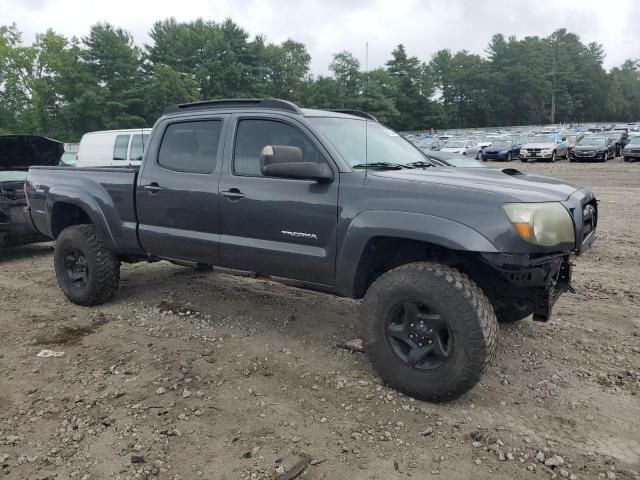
283 161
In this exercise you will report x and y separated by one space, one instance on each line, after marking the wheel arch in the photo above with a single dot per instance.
376 242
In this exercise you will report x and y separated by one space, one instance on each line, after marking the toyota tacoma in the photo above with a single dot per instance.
338 203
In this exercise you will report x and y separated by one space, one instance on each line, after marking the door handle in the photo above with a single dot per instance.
152 187
233 194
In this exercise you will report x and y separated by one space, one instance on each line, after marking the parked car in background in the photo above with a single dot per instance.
619 139
573 139
486 141
544 147
111 148
631 150
446 159
461 146
501 149
428 144
17 154
593 148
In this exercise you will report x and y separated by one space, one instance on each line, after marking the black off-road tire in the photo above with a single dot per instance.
103 267
459 301
626 159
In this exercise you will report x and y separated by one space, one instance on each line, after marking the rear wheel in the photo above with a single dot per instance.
626 159
87 272
429 330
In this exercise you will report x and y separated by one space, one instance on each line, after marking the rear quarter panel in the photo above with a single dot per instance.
105 194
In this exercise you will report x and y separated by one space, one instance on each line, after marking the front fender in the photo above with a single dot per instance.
406 225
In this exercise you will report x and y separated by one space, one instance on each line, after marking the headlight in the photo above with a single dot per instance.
545 224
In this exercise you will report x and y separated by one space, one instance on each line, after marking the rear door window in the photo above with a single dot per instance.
191 146
121 147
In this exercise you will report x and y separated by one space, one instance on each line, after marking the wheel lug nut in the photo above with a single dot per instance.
420 344
411 325
430 342
411 335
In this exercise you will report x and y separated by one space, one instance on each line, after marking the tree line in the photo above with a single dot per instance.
62 87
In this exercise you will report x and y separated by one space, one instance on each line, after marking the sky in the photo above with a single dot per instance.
330 26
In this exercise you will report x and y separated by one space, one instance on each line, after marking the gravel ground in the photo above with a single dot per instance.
204 375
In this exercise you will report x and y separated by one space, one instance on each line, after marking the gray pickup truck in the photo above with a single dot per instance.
336 202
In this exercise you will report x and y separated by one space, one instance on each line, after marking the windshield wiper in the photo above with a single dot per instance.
382 165
421 163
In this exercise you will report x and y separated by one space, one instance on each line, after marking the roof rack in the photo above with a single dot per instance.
355 113
270 103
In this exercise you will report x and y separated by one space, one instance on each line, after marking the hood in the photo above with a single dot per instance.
548 145
19 152
507 181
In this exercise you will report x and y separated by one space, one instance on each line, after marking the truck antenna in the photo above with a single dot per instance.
366 121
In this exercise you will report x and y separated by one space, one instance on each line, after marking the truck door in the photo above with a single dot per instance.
276 226
177 191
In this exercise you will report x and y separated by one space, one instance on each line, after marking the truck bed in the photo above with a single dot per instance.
107 194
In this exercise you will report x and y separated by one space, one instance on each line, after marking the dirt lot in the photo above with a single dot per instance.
205 375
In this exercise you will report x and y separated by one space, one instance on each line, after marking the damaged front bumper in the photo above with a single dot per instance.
538 280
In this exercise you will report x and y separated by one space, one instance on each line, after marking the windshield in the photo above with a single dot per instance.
383 144
596 141
455 144
501 143
634 139
571 138
13 176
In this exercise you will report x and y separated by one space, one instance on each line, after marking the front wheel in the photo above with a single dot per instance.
509 158
87 272
626 159
553 157
429 330
605 157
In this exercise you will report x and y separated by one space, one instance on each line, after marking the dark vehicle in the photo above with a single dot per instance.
599 149
17 154
438 255
632 149
619 139
501 149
